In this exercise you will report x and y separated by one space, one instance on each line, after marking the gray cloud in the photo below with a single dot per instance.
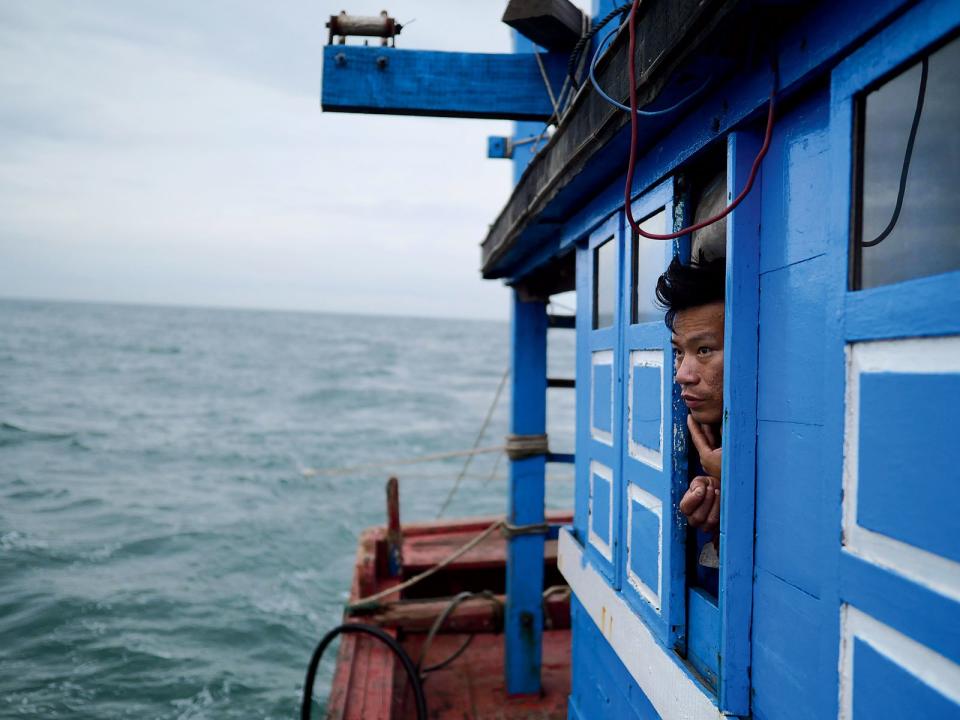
175 152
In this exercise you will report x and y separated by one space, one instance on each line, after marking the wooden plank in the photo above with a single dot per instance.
473 688
425 552
552 24
471 616
379 80
739 430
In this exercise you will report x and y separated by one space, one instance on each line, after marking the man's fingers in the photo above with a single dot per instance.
699 439
713 519
700 515
711 437
693 497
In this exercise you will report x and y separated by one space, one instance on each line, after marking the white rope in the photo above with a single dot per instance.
427 573
323 472
546 81
476 442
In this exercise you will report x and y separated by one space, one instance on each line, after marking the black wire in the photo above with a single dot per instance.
383 637
585 40
905 169
457 653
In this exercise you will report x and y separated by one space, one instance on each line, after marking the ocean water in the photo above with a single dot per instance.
162 552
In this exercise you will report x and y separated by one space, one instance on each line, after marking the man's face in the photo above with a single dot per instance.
698 360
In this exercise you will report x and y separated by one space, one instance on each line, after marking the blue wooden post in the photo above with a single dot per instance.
739 427
524 616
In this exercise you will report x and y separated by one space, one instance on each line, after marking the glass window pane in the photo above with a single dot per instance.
604 284
649 262
924 237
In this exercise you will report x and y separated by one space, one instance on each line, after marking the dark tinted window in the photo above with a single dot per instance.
923 238
648 264
604 284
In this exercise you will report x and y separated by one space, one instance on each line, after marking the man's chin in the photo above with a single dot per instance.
705 416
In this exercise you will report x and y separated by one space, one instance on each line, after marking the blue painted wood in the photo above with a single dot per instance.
788 645
581 492
703 639
792 489
907 426
644 533
523 623
602 403
666 479
821 37
602 493
896 601
590 449
795 630
524 130
882 688
441 84
927 306
563 458
908 309
497 147
799 150
740 352
601 687
791 362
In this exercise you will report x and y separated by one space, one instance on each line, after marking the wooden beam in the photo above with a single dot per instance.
388 81
552 24
524 614
471 616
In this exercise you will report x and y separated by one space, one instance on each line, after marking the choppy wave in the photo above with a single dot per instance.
162 555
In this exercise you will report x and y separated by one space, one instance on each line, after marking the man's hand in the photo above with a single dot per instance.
707 446
701 503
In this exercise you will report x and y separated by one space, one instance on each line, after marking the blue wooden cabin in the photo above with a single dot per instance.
839 570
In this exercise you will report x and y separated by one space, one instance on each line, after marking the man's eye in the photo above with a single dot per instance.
704 350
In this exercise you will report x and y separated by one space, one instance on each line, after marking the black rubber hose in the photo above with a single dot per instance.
383 637
907 156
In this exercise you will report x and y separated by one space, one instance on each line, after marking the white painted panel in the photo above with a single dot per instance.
674 694
606 473
640 496
649 456
913 356
926 665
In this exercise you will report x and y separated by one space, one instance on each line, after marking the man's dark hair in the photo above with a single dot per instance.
686 286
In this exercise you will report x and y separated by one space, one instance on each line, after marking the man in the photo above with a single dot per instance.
693 296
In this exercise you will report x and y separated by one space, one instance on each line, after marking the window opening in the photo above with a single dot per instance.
604 284
907 171
648 261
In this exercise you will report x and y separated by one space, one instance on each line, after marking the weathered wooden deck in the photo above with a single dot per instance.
370 684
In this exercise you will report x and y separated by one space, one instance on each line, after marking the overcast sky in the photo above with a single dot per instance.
174 152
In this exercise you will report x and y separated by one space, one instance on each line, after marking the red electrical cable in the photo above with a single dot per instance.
632 65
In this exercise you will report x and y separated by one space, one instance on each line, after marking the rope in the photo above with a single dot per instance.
323 472
509 531
493 473
644 113
577 52
519 447
546 81
366 602
476 442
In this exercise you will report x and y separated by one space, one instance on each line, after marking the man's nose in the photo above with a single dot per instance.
686 374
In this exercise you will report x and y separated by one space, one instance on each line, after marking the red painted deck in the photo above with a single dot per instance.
370 685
